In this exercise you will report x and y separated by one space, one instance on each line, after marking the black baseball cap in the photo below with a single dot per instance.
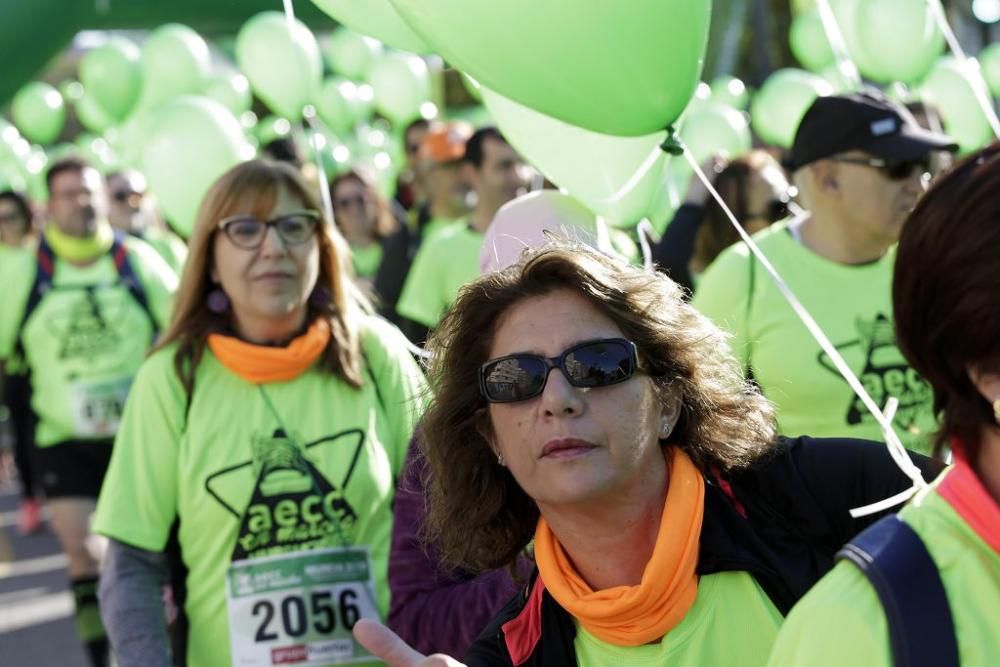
866 121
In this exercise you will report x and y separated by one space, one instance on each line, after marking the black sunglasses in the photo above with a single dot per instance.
596 363
774 211
895 170
248 232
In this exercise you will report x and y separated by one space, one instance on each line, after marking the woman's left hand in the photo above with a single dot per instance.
386 645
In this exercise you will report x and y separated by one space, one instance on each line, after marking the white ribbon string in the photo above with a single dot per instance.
895 446
971 69
644 230
845 65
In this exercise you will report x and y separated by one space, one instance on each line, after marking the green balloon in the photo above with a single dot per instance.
839 81
472 87
230 89
337 104
71 90
283 64
781 103
714 129
731 92
272 127
350 53
175 61
952 89
623 68
902 36
39 112
401 83
192 142
92 115
990 61
112 74
809 42
848 16
616 177
375 18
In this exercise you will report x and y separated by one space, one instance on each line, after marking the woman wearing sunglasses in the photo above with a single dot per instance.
946 293
259 444
364 218
581 404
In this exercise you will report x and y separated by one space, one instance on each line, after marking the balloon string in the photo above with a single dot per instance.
969 66
895 446
639 174
845 65
309 117
644 230
290 15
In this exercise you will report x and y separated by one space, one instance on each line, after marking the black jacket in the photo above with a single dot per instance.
782 521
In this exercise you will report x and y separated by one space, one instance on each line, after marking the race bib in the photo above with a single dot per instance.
98 406
299 608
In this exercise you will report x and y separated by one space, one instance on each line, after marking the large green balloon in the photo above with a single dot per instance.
193 141
231 89
713 129
39 112
626 68
351 53
901 36
990 61
809 42
951 88
175 61
112 75
730 91
616 177
401 83
375 18
337 104
92 115
781 103
848 16
283 64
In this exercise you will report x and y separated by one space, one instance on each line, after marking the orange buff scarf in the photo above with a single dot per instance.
260 364
637 615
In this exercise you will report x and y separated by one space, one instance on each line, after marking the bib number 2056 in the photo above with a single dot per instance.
324 612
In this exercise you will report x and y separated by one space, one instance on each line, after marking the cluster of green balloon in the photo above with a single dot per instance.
282 61
952 88
402 85
39 112
779 105
642 70
350 53
190 142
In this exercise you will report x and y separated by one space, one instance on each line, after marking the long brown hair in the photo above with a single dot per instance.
478 515
252 187
946 293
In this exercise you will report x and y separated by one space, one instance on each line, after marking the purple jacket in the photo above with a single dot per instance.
433 610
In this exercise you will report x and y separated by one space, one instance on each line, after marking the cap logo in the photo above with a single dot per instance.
883 127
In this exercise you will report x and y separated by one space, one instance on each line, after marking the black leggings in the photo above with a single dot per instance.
17 390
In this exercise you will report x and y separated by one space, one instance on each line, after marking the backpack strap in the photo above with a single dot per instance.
45 266
896 562
129 279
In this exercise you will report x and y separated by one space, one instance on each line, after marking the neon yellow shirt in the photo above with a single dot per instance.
444 263
367 259
247 481
853 306
732 622
85 340
841 620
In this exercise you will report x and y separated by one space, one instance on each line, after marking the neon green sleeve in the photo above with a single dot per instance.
138 502
17 272
839 622
158 280
722 295
401 384
423 297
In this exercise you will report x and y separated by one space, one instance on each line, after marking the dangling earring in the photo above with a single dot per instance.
499 459
320 297
996 410
666 428
218 302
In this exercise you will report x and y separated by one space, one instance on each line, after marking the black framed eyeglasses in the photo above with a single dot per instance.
596 363
895 170
248 232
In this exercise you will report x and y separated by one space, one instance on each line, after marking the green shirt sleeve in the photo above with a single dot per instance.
17 272
158 280
839 622
723 295
138 502
423 299
400 384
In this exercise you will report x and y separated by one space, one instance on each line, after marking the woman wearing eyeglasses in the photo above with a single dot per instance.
581 404
364 218
260 444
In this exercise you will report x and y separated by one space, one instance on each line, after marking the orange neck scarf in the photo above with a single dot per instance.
260 364
637 615
966 493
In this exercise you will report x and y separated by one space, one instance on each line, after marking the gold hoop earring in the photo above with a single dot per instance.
996 410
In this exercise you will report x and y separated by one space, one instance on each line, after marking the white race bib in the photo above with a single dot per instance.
299 608
98 406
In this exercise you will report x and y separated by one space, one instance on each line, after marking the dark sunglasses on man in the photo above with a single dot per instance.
596 363
894 170
248 232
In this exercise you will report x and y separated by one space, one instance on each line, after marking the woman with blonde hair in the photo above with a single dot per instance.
581 405
262 439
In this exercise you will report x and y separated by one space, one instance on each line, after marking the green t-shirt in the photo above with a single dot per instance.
254 473
732 622
853 306
367 259
85 340
444 263
170 247
841 620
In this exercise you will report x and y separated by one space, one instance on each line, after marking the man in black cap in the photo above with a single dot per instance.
860 162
